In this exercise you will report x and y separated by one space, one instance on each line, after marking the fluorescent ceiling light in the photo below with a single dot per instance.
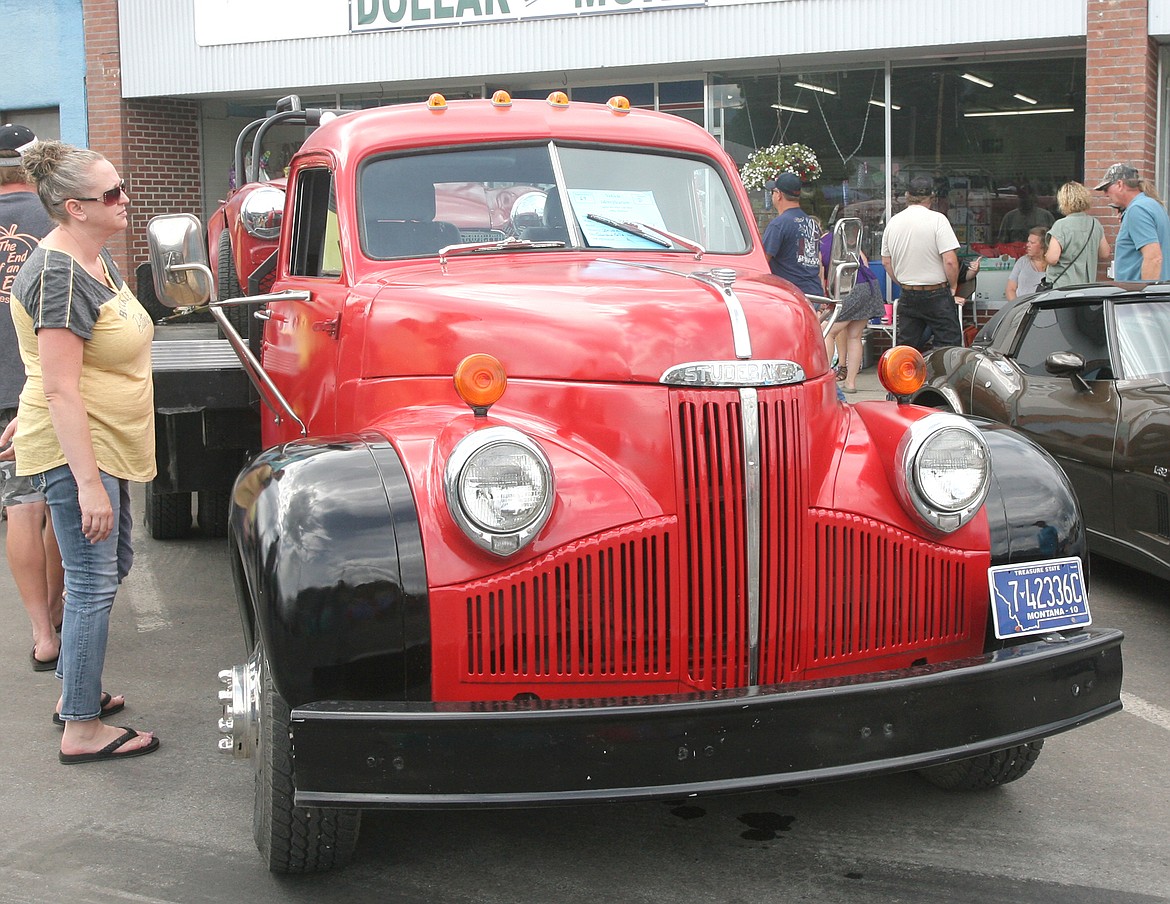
1025 98
882 103
978 81
819 88
1025 112
788 108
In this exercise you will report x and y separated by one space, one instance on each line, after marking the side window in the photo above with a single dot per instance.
1077 328
316 242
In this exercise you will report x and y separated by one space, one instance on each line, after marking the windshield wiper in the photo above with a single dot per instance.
652 234
511 243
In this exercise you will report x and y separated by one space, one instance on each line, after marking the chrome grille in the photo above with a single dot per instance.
711 487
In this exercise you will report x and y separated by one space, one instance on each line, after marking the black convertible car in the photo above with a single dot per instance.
1084 372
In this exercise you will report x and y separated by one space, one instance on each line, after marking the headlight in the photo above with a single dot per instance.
944 469
499 488
262 212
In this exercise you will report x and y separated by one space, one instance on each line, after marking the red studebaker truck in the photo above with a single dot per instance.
557 502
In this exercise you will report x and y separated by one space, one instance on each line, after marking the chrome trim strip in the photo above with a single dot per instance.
763 372
749 412
740 335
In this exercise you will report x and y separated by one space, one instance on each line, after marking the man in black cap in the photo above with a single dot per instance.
791 241
919 252
33 556
1142 242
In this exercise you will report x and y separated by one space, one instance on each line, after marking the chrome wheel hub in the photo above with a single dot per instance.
240 698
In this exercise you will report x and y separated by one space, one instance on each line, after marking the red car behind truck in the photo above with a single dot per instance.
555 500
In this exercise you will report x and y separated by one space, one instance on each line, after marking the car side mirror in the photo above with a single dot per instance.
178 260
1067 364
1064 364
845 257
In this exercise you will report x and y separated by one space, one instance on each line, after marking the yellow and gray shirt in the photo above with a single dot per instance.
53 291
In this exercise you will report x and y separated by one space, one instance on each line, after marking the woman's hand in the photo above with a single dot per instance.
7 449
97 515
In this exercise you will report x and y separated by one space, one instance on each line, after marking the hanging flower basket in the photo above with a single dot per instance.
767 163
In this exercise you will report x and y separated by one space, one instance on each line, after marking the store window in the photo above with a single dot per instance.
836 113
45 122
998 139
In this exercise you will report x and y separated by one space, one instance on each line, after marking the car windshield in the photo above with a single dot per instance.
1143 339
510 199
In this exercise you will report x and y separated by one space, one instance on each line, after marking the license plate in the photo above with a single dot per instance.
1038 597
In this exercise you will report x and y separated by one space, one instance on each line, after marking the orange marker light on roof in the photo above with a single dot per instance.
502 99
480 381
619 104
558 99
902 370
437 102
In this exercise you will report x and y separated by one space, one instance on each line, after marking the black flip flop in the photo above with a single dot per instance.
110 751
42 665
106 698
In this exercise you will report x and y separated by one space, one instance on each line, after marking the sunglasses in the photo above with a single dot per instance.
111 197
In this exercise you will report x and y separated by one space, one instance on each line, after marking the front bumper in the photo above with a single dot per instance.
511 754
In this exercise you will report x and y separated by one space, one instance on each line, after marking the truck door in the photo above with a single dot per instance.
300 349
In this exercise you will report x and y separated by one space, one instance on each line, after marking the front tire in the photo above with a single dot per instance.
986 771
292 839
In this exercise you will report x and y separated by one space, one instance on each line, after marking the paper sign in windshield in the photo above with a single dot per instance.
622 206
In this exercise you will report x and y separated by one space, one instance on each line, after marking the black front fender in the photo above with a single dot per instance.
330 570
1032 510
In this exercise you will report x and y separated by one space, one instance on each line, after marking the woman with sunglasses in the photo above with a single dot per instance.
85 423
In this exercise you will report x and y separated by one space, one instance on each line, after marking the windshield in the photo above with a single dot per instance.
411 206
1143 339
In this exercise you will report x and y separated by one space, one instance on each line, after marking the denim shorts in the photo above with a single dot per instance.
14 490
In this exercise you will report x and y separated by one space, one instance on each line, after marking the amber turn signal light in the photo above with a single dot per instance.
480 381
902 370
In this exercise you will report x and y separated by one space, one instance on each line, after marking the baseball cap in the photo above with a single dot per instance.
921 187
1116 172
788 183
14 141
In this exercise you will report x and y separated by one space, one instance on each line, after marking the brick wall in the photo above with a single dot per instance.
162 159
153 144
1121 96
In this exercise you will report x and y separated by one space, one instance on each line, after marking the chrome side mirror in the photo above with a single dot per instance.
845 257
178 260
262 212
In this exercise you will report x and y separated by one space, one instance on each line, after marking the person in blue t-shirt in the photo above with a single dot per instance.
791 241
1141 252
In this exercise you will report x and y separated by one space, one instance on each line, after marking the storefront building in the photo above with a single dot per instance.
1000 107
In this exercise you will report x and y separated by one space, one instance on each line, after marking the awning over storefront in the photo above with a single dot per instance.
218 47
